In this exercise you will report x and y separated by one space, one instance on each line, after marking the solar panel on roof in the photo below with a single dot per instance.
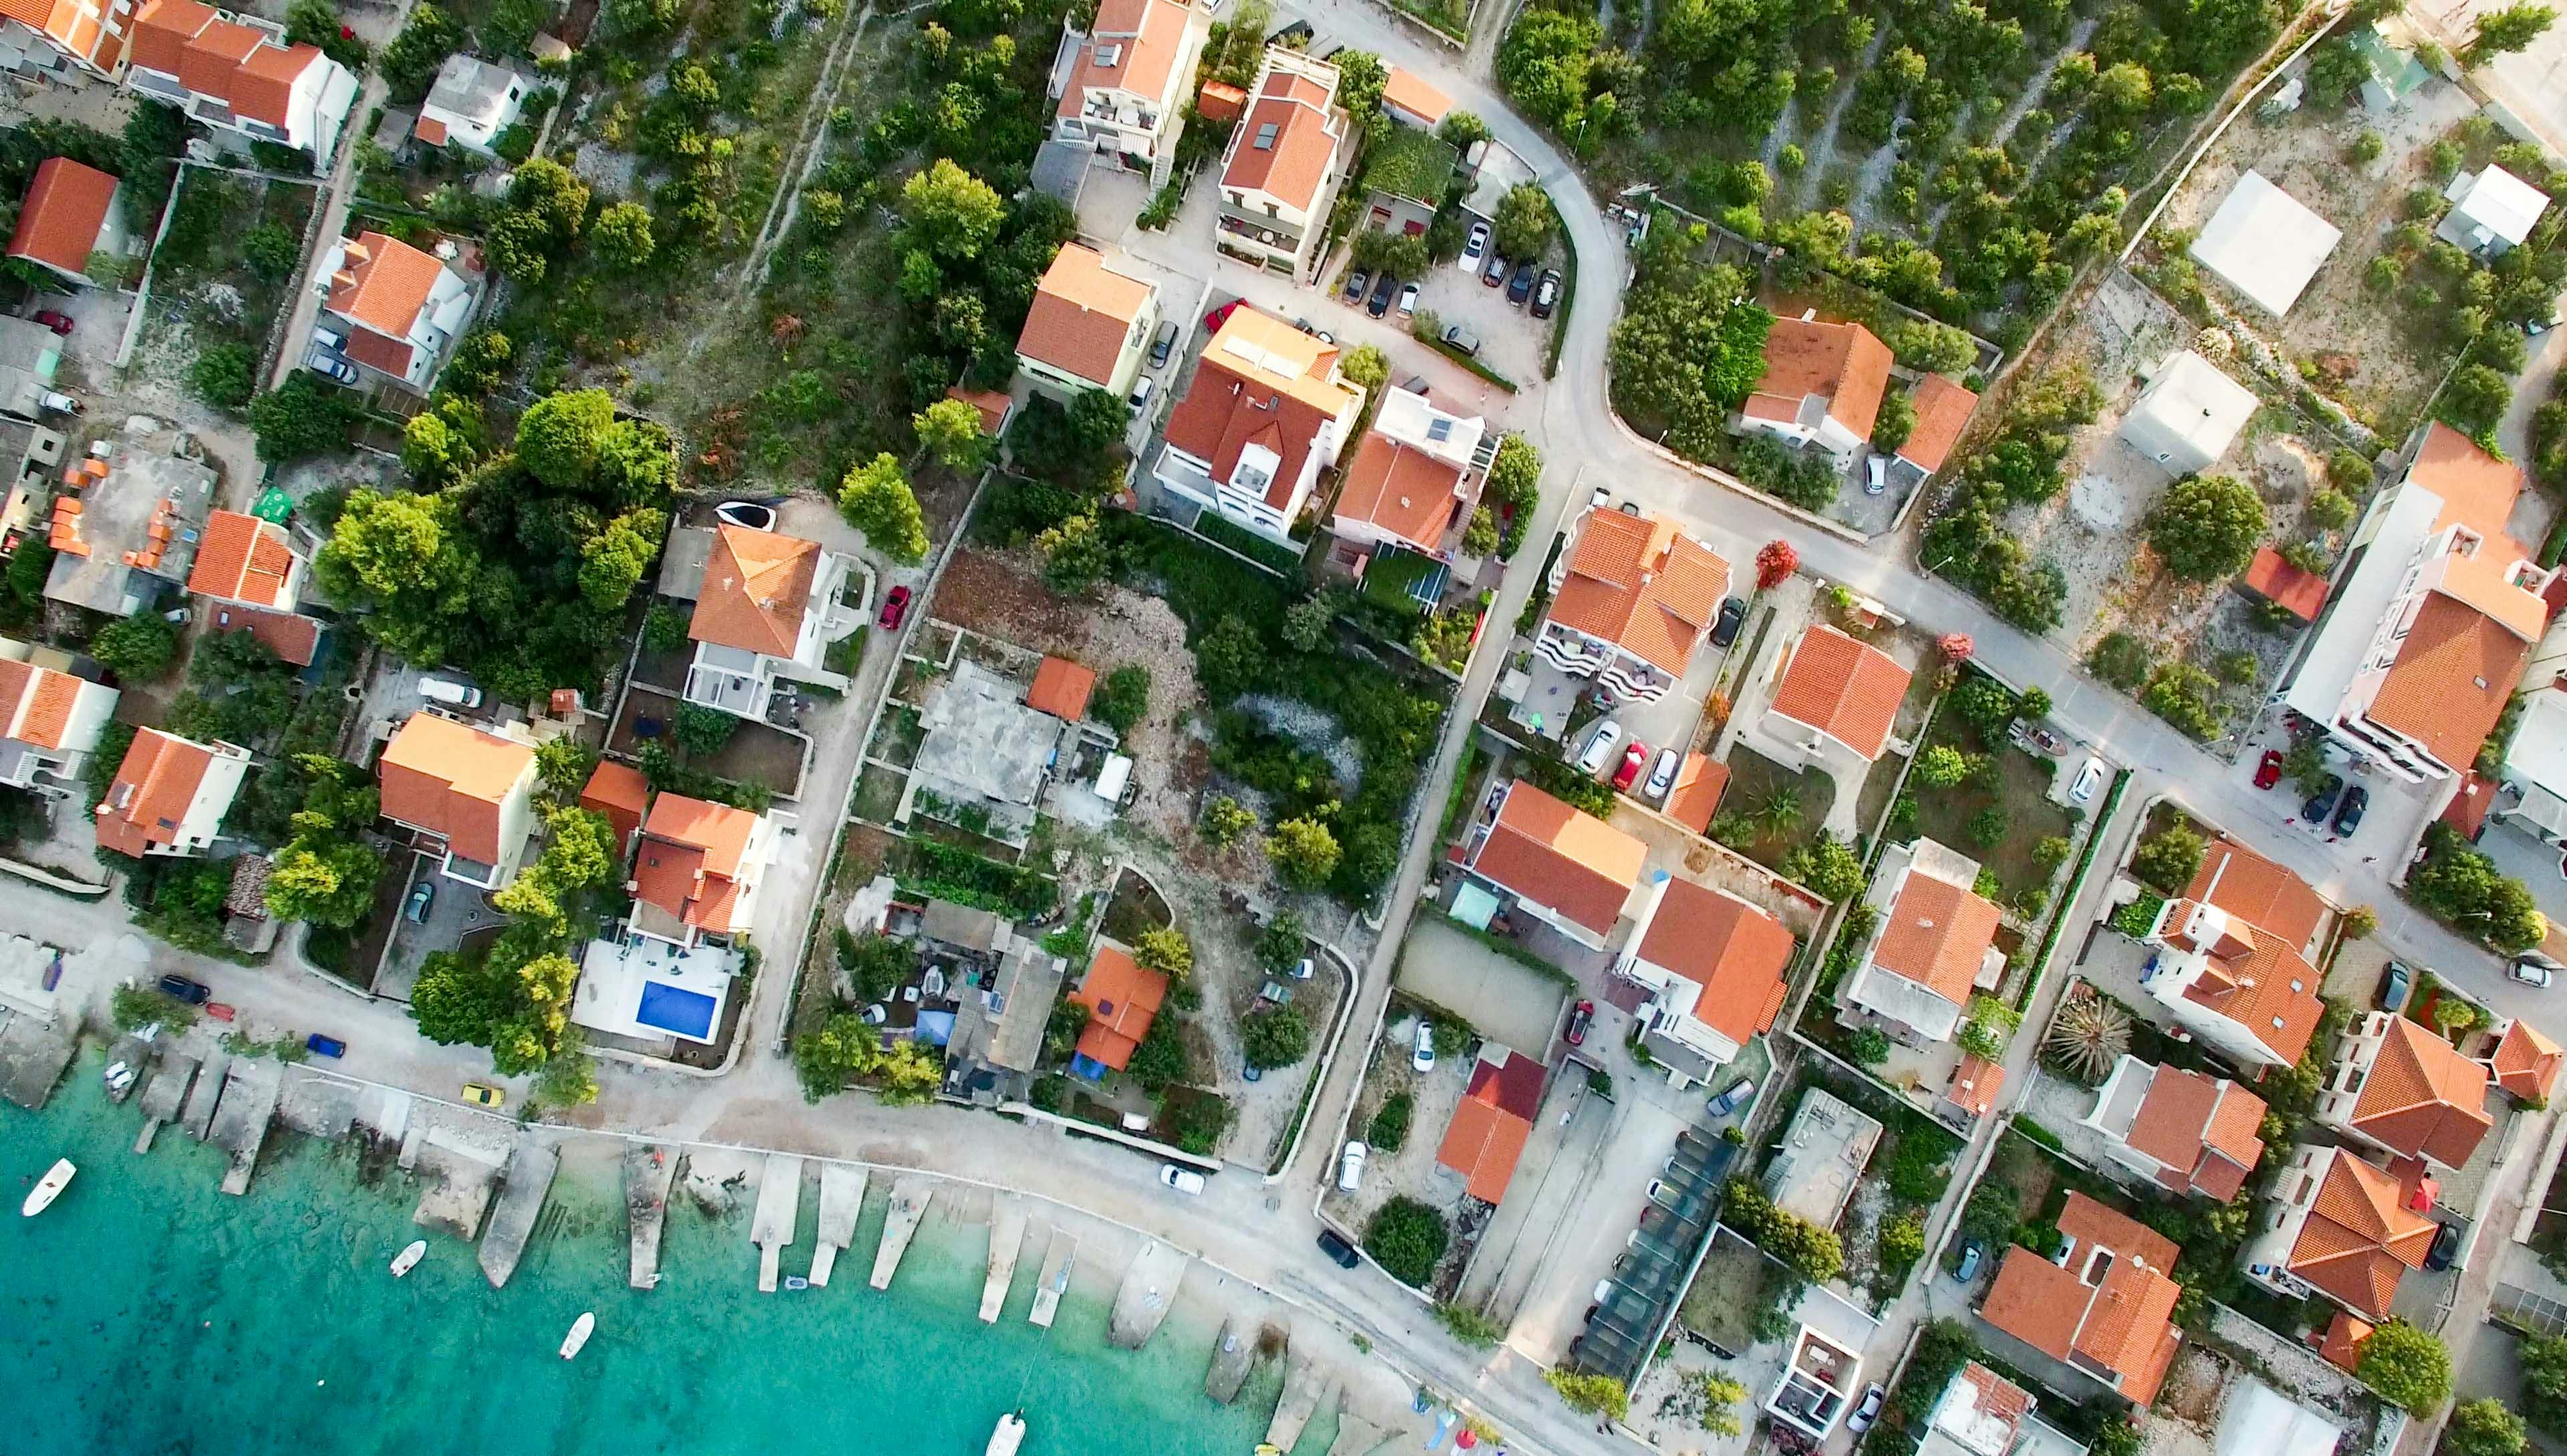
1266 137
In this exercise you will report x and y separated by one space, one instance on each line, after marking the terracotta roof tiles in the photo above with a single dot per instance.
1083 314
1560 857
1294 160
453 781
2525 1063
1942 412
2452 678
1848 690
1842 363
1937 934
153 787
242 558
756 589
2359 1239
386 288
1638 583
1402 489
1122 998
1734 952
2422 1097
1061 688
65 208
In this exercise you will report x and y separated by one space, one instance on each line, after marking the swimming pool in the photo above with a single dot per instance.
676 1011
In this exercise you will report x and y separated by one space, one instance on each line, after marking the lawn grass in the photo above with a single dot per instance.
877 794
1945 815
1754 782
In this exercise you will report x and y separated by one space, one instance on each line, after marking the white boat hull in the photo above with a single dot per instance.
48 1188
1009 1436
580 1329
408 1259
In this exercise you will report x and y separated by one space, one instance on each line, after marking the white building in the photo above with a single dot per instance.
1089 326
1933 943
2236 987
1713 966
1121 87
398 311
2264 243
472 101
1823 385
50 721
1982 1414
2189 415
766 609
696 870
1631 603
170 796
234 73
466 796
1413 480
2492 212
1267 409
1287 159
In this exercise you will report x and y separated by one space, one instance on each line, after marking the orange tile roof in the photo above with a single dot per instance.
2423 1097
1403 89
1295 161
430 130
2205 1133
1403 490
2525 1063
36 702
207 63
689 863
452 780
65 208
1491 1123
1148 37
2098 1225
2489 585
294 638
1563 858
1083 313
2256 890
2124 1326
243 559
2478 489
1848 690
620 794
162 30
719 831
2359 1239
993 406
2266 987
1122 998
1976 1083
1937 934
2036 1302
1221 102
1260 381
1942 413
2345 1334
1061 688
2301 593
374 350
2130 1329
1634 581
1735 951
757 587
2450 681
152 793
263 88
1696 797
1844 362
384 289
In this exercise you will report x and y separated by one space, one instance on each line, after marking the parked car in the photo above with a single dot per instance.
1422 1057
895 606
1662 774
1724 629
1520 287
59 323
331 366
1163 344
1220 316
2314 808
421 896
1358 281
1735 1099
179 988
1578 1018
2393 985
1408 302
1875 474
1546 294
1333 1244
1183 1180
1629 773
1350 1168
2268 771
2348 811
1971 1254
1599 746
1142 388
334 340
320 1046
483 1094
1461 340
1304 968
1384 289
2088 779
453 692
752 515
2529 973
1475 249
2447 1247
1496 271
1866 1413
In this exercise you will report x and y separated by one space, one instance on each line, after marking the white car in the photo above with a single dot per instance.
2529 973
1422 1059
1408 302
1183 1180
1662 774
1599 746
1475 251
1351 1169
449 692
2088 779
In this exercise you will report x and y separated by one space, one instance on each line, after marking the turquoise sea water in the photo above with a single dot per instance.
149 1312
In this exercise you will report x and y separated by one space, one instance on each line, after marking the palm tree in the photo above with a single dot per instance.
2086 1037
1781 811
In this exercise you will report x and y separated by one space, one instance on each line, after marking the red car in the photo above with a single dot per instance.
1634 759
1579 1016
1220 316
2269 773
895 606
59 323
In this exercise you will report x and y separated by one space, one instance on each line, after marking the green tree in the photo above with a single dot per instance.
299 418
1828 866
1407 1238
613 561
410 61
623 239
1276 1036
1166 950
561 435
2121 660
876 500
949 429
430 452
136 648
2185 696
223 375
1590 1395
2484 1427
562 769
1942 766
837 1052
1895 421
1225 819
2409 1368
1525 221
1228 657
2476 398
2509 29
458 999
1122 698
1365 367
1304 853
2543 1358
325 880
701 729
2207 527
2167 860
1075 555
954 212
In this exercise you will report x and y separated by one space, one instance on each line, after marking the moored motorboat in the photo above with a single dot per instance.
580 1329
408 1259
48 1188
1009 1436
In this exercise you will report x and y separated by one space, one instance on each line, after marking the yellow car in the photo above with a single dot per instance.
483 1094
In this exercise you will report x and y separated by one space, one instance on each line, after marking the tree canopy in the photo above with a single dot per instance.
1688 347
2207 527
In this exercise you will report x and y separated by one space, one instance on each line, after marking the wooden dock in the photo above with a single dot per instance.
523 1188
1055 1278
650 1170
911 1193
842 1204
780 1208
1006 1243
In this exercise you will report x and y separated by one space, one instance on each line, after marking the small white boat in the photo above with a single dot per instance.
580 1329
48 1188
118 1076
408 1259
1009 1436
797 1281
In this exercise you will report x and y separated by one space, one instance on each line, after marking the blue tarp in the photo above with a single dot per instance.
1088 1068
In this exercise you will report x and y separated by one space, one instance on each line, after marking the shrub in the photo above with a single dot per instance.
1122 698
1868 1046
1592 1394
2408 1366
1813 1253
1407 1238
2167 860
137 646
1389 1130
2121 660
223 375
2206 526
1278 1037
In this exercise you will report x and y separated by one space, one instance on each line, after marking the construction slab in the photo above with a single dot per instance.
842 1204
198 1117
1006 1244
779 1207
34 1054
242 1119
650 1169
1054 1283
1355 1436
528 1180
163 1096
1148 1289
1305 1389
911 1193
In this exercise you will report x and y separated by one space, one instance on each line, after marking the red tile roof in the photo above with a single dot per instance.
1848 690
2256 890
1562 858
1735 951
619 794
1295 162
1844 362
2525 1062
36 702
65 208
2202 1131
1061 688
1122 998
453 781
1976 1083
1634 581
152 793
1493 1123
2359 1238
689 862
1942 413
243 559
162 30
2342 1346
1083 316
1402 489
1699 784
1264 383
756 588
1937 934
2123 1325
2302 593
294 638
384 283
2452 677
2422 1097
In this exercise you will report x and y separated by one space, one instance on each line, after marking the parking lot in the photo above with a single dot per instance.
456 911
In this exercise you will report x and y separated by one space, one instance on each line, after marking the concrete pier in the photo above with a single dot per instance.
521 1201
842 1204
1149 1287
34 1054
1055 1278
1006 1243
163 1096
198 1117
135 1054
1355 1436
1233 1354
911 1193
1305 1389
649 1172
241 1119
779 1207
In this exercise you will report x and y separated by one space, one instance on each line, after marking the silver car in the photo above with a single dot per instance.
1350 1168
1599 746
1662 774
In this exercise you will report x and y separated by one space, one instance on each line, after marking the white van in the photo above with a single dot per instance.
448 691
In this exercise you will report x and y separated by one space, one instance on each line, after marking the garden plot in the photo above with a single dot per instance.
221 282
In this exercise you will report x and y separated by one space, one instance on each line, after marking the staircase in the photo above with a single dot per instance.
1164 166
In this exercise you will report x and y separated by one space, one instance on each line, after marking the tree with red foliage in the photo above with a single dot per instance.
1956 647
1775 563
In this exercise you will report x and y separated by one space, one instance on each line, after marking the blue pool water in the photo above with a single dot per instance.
675 1010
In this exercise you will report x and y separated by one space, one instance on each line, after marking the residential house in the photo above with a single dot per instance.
170 796
1943 410
2233 960
50 721
2391 71
401 310
69 218
2401 1088
766 609
2345 1230
1635 600
470 104
1406 174
2434 617
2531 792
1410 101
2523 1062
31 363
1061 688
1120 87
619 794
64 41
1817 1383
698 869
989 753
1933 943
1833 704
2189 1132
1982 1414
126 524
2189 415
2492 212
1090 325
236 75
1700 782
1825 1149
1122 998
466 796
1713 966
1563 867
2262 242
1287 157
1821 386
240 558
1972 1092
2104 1305
1267 409
1413 481
1493 1121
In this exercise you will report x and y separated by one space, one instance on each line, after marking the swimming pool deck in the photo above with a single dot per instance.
1057 1258
779 1207
842 1204
521 1201
1234 1353
164 1096
1006 1244
648 1171
911 1193
241 1119
1149 1287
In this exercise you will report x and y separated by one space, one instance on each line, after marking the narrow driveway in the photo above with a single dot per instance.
334 218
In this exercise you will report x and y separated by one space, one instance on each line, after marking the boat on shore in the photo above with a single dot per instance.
48 1188
408 1259
1009 1436
580 1329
